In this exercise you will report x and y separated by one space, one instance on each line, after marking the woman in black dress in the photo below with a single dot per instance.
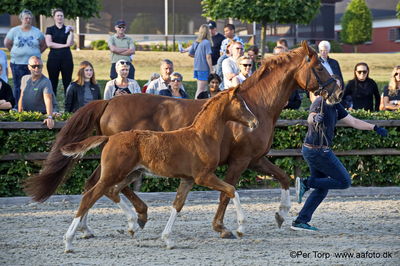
59 38
362 91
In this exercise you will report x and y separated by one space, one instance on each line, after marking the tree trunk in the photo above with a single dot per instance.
263 38
355 48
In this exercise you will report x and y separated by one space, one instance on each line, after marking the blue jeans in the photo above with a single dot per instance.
327 172
18 71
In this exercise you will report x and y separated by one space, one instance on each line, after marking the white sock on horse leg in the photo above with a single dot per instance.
285 203
83 227
166 234
133 226
239 214
69 235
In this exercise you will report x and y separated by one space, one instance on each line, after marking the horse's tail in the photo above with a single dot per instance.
82 124
78 149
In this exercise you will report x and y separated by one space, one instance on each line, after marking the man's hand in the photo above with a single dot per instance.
49 122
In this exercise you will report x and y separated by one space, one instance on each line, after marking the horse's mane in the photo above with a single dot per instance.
211 101
268 65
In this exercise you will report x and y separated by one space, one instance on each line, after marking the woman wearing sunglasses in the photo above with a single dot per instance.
391 93
245 64
361 92
175 87
121 85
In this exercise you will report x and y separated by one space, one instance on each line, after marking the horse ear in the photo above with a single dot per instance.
307 49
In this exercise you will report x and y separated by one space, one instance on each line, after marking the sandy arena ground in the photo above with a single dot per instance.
366 227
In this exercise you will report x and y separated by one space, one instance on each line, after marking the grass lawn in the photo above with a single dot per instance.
146 63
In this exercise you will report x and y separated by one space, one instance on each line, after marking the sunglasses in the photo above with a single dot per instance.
121 27
362 71
247 65
176 80
123 63
396 74
36 66
237 48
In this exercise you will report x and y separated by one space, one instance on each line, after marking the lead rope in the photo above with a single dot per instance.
320 127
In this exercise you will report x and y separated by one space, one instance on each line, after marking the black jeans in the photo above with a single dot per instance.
57 64
114 75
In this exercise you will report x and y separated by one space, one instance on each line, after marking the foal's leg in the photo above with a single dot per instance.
88 199
140 206
264 166
213 182
235 169
133 226
84 228
183 190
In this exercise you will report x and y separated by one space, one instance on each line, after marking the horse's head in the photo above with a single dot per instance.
238 111
313 76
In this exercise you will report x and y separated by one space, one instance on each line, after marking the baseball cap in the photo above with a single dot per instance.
120 22
211 24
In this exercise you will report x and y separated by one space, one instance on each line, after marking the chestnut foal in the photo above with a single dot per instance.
190 153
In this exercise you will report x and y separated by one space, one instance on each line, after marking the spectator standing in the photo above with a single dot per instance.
391 93
122 48
7 100
245 65
230 69
201 51
217 39
213 87
3 63
175 87
122 85
83 90
361 91
253 53
331 65
230 37
23 42
166 69
327 172
59 38
36 92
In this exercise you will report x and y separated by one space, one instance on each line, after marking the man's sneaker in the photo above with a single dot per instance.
301 188
303 227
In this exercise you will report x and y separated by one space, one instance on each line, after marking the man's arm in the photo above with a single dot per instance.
48 101
8 43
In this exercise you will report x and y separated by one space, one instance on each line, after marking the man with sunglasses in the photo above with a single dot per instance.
121 48
36 92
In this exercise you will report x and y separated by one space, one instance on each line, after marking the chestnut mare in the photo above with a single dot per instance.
190 153
266 92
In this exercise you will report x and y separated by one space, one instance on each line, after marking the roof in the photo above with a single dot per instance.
384 9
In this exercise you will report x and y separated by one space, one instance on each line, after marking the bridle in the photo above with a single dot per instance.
321 85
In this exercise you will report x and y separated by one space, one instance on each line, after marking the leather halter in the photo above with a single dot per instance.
321 85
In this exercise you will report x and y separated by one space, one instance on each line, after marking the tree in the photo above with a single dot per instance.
72 8
398 10
263 11
356 24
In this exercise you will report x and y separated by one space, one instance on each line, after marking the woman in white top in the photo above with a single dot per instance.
245 64
121 85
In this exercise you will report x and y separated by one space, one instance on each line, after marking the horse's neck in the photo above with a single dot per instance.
271 94
211 122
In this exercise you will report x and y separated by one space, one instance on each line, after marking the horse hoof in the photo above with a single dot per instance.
141 223
228 235
68 251
279 219
240 234
88 236
131 233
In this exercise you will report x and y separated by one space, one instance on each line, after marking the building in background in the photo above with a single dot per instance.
385 27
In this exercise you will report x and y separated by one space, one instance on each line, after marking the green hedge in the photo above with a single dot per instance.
365 170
